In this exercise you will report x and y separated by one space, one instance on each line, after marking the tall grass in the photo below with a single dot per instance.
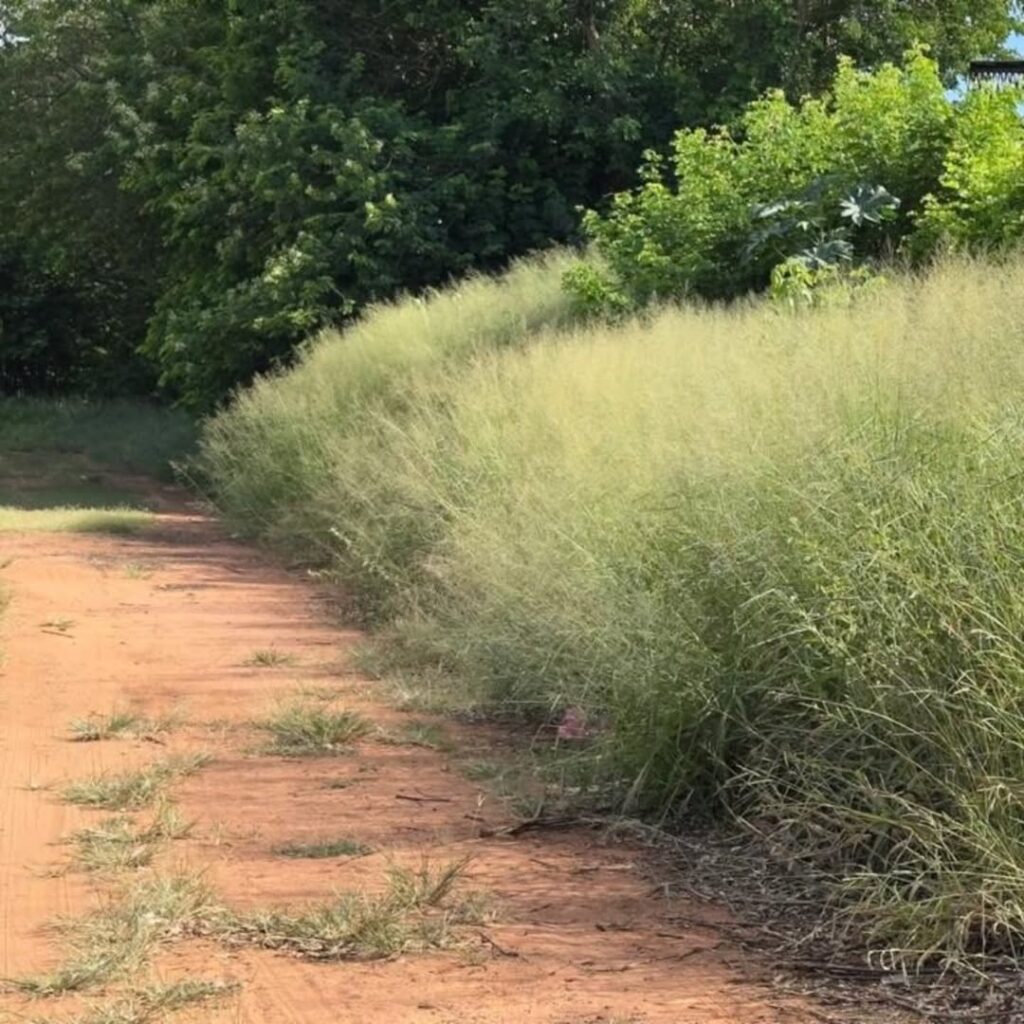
334 421
778 559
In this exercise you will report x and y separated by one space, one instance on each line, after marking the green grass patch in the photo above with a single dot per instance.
419 911
420 734
305 728
118 521
323 849
121 844
120 937
149 1003
129 791
270 657
121 723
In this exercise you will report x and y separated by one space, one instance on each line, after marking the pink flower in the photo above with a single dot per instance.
573 725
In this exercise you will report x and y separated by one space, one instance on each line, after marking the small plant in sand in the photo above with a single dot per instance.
120 844
121 723
323 849
129 791
420 734
138 570
105 727
270 657
120 937
304 728
415 913
148 1004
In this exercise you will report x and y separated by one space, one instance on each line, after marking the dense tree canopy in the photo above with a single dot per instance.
217 178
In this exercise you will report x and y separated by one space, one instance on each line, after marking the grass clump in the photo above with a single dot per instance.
773 558
307 728
323 849
414 914
270 658
120 844
151 1003
120 937
105 727
129 791
119 521
420 734
119 723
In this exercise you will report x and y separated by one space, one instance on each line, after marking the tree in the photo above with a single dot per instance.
233 174
71 237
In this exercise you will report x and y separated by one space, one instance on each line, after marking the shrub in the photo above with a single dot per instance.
979 202
691 231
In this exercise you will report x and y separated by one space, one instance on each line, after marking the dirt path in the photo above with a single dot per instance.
167 620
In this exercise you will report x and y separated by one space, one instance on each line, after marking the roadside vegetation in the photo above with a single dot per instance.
302 727
725 503
770 557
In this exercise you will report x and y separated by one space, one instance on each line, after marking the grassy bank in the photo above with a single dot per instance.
777 559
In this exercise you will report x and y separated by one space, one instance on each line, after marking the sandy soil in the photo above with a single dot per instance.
166 620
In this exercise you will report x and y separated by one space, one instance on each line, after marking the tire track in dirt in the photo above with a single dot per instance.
167 619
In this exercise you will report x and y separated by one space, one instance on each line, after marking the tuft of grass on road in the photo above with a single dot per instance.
417 912
419 734
132 790
323 849
120 937
305 728
118 521
270 657
149 1004
121 723
120 844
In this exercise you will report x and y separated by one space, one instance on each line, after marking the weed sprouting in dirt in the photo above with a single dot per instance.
132 790
104 727
270 657
304 728
148 1004
326 694
425 886
120 844
323 849
414 914
340 783
121 723
419 734
119 938
138 570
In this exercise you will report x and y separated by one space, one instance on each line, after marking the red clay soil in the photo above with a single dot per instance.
166 620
